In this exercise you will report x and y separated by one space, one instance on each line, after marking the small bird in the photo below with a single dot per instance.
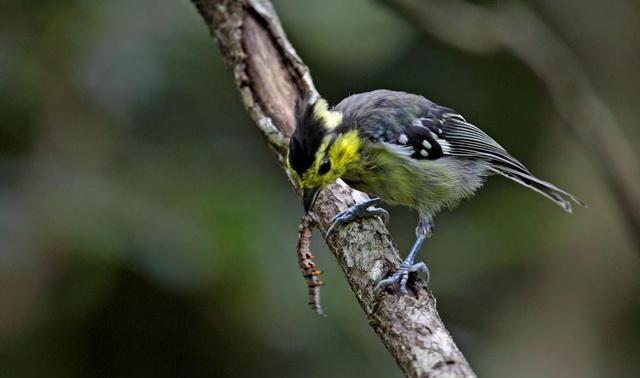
401 149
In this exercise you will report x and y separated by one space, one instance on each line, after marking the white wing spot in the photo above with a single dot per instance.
424 153
403 139
433 135
426 144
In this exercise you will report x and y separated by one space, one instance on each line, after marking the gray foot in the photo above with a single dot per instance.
401 276
361 210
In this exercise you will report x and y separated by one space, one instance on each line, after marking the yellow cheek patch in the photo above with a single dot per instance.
345 151
342 153
329 119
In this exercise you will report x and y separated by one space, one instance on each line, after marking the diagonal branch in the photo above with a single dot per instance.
271 78
514 28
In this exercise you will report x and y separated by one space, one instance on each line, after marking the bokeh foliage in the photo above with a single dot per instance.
147 231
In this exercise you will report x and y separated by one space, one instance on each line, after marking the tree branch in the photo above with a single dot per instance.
514 28
271 78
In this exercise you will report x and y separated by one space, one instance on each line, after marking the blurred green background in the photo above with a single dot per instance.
147 231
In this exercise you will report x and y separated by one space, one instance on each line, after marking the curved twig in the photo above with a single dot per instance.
310 271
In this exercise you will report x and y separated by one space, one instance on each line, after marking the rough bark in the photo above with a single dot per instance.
271 78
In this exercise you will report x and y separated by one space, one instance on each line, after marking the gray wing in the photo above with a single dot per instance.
439 132
442 132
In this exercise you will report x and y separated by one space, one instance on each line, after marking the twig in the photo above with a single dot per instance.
305 259
271 78
514 28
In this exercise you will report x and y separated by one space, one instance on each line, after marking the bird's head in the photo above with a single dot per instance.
319 152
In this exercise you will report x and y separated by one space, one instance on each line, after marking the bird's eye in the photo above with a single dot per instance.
325 166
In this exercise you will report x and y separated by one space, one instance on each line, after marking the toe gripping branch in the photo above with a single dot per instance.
309 270
401 276
362 210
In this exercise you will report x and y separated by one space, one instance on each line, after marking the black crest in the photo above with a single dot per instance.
306 139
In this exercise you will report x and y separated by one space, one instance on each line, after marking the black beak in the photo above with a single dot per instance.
309 198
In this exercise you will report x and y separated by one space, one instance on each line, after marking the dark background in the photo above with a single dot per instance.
147 231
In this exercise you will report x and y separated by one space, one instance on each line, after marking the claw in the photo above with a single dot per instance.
401 276
362 210
380 212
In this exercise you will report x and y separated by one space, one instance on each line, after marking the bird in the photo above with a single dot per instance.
400 149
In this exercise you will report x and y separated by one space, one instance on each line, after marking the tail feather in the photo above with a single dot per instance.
557 195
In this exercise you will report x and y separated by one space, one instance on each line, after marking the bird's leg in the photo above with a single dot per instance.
366 209
401 276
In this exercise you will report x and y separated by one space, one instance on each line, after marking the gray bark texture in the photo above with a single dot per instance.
271 78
